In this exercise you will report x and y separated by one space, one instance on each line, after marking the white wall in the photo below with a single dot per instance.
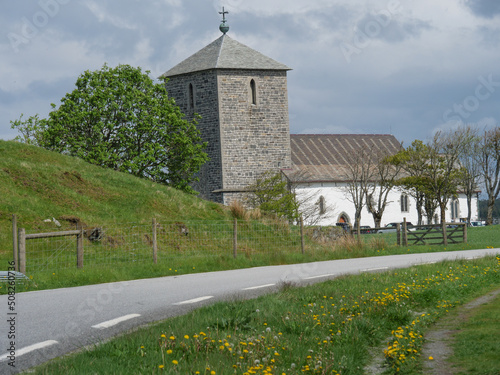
336 198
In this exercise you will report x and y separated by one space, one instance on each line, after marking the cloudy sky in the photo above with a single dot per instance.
398 67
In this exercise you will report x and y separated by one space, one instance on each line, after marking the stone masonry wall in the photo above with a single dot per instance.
244 139
255 138
205 102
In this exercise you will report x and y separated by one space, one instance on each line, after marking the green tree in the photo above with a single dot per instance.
489 161
119 118
270 193
31 129
383 181
412 161
443 166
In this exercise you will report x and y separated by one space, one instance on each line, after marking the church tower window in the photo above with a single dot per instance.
253 92
191 96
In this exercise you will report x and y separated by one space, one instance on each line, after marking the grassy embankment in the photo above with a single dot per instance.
335 327
476 345
37 184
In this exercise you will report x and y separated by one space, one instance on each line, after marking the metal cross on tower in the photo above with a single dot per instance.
223 14
224 28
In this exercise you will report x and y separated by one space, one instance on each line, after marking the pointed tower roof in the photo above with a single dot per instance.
225 53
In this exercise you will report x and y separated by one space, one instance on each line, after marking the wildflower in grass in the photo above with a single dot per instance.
175 362
431 358
161 366
169 351
186 337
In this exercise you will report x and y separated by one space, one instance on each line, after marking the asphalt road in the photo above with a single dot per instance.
47 324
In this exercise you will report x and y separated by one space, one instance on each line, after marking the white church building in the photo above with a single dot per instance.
242 98
321 161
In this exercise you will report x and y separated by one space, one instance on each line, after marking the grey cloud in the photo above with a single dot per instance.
391 29
484 8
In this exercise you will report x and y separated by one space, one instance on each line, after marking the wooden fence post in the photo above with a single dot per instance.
445 234
79 247
398 234
405 232
235 237
22 250
302 234
15 249
155 244
465 232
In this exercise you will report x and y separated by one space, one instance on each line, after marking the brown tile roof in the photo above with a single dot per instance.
323 157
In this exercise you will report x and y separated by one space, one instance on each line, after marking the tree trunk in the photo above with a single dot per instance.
469 208
377 219
491 205
420 203
442 207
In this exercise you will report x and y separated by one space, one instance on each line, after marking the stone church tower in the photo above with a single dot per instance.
242 98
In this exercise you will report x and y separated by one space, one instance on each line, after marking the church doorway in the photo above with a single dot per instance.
343 218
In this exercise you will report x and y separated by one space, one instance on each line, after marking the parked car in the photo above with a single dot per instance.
477 223
365 229
392 227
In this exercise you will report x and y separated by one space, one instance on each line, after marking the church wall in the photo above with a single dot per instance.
255 137
204 101
335 196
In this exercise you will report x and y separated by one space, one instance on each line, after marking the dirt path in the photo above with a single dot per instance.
440 337
439 341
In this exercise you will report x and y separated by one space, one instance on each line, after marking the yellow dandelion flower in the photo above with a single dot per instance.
175 362
186 337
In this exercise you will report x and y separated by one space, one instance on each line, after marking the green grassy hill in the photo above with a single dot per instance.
36 184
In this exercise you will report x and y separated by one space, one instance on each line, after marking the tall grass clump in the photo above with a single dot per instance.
238 211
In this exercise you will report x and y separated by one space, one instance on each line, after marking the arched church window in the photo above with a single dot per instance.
253 92
191 96
322 205
404 203
455 209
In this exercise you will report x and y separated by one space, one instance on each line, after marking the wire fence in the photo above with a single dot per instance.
161 242
157 242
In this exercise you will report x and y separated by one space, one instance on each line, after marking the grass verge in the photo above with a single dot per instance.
476 345
327 328
169 265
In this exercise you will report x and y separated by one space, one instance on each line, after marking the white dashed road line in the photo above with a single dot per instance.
195 300
113 322
258 287
30 348
319 276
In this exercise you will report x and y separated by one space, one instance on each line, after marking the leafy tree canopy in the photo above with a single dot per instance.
270 193
119 118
